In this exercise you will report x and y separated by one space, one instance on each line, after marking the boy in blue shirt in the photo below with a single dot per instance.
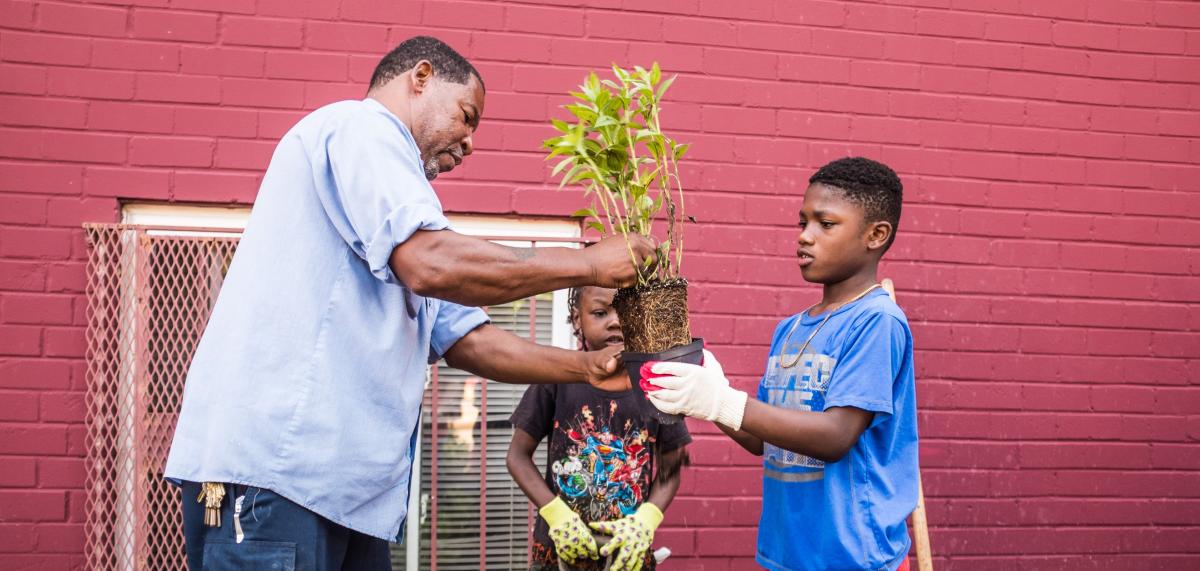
835 415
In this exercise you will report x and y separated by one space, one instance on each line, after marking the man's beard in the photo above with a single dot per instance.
432 169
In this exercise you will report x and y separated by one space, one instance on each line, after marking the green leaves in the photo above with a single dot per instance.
615 149
665 85
584 113
680 150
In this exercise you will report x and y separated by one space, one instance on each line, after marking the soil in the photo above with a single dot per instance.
654 317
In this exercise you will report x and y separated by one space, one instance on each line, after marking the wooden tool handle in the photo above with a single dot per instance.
919 523
921 531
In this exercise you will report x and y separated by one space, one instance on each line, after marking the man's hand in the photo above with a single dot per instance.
611 264
632 535
614 384
698 391
604 368
571 537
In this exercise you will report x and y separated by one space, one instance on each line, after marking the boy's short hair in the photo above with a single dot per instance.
447 64
872 185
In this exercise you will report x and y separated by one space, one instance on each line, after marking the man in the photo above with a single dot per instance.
295 437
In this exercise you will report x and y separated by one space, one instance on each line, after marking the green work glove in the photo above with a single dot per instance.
632 534
572 539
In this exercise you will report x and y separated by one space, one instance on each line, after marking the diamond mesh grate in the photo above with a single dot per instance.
149 296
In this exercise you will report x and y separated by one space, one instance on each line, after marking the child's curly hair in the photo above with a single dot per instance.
573 314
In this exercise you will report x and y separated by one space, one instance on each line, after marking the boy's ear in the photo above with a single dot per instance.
878 234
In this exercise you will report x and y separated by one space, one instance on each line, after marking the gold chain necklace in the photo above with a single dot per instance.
783 363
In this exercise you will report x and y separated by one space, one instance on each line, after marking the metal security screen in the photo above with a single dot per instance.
150 292
149 296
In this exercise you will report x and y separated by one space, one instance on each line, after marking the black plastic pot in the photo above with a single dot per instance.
692 354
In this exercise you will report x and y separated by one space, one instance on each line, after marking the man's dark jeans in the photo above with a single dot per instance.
278 535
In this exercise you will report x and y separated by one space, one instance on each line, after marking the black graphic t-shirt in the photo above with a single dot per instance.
601 458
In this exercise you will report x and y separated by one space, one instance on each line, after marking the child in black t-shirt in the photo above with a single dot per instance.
602 457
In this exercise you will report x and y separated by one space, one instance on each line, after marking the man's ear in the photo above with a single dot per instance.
878 234
422 75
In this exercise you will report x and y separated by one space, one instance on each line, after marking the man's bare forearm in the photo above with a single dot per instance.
470 271
493 353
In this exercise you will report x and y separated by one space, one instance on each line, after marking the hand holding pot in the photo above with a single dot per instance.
603 369
698 391
611 264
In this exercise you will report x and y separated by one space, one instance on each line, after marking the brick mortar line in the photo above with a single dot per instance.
303 50
759 137
866 3
535 154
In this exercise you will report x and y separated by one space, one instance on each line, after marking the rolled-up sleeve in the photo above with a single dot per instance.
372 185
453 322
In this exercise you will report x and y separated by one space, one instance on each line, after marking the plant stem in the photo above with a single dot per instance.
669 170
679 238
602 191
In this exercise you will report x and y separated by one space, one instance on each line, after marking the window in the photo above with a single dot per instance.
152 282
482 519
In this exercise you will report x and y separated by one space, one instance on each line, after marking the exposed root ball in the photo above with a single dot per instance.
654 317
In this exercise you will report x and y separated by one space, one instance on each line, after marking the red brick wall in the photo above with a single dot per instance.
1048 257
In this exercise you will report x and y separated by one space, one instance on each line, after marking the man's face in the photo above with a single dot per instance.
445 115
597 319
833 236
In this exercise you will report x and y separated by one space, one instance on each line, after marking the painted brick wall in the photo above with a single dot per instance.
1048 256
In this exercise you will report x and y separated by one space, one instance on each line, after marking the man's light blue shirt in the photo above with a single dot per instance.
309 377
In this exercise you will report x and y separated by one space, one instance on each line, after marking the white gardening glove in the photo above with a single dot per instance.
698 391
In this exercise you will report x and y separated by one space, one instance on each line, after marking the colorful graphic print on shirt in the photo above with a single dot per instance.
801 387
600 472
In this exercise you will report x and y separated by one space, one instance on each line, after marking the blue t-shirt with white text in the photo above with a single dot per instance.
848 514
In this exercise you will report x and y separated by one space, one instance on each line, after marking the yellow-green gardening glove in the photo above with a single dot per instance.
572 539
632 534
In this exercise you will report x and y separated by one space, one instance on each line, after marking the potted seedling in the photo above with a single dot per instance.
614 148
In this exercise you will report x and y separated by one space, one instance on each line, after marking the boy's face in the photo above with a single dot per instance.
597 319
835 240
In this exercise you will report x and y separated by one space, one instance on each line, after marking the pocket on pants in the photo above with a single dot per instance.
265 555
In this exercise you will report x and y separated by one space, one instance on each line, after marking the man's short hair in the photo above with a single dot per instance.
872 185
447 64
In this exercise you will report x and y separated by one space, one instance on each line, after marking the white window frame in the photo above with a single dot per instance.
175 219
